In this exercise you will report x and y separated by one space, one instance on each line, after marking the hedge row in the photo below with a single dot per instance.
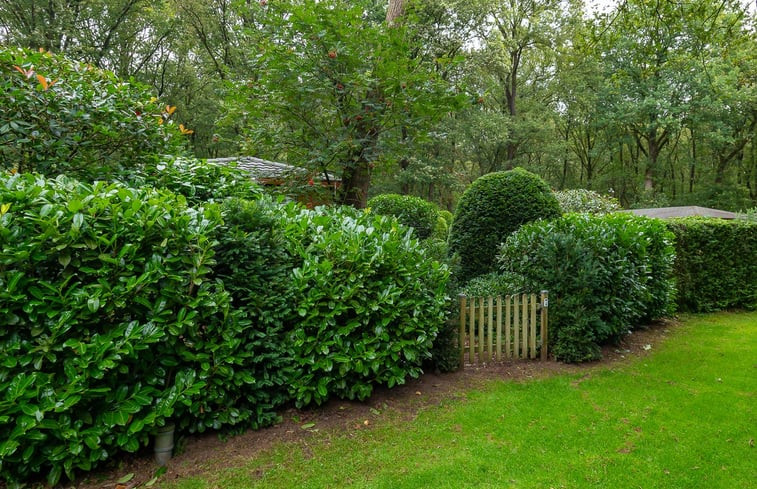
123 308
605 274
716 263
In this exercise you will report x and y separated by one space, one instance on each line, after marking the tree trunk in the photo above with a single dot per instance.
356 180
394 11
692 166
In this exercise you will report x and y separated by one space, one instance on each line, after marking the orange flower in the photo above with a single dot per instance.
184 130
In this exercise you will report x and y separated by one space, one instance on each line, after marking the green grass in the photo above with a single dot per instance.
682 417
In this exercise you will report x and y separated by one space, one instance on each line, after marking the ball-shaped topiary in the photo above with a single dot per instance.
410 211
490 209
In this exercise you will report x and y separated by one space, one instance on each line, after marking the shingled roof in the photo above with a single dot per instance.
269 170
687 211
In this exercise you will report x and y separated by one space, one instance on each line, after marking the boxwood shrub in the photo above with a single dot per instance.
605 275
411 211
716 263
494 206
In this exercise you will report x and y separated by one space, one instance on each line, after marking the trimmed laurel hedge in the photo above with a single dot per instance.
494 206
605 274
109 324
116 315
716 263
411 211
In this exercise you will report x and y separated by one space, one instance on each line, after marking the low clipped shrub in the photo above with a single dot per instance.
411 211
493 207
605 274
198 180
63 117
582 200
493 284
369 303
109 323
716 263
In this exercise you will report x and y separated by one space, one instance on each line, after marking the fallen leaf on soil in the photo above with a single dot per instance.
126 478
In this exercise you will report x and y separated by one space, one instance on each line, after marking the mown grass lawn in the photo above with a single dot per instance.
681 417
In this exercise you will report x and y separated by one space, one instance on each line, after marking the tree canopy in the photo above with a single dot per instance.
651 101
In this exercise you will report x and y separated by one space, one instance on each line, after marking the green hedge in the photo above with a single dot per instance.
369 303
109 324
198 180
494 206
716 263
605 274
121 309
411 211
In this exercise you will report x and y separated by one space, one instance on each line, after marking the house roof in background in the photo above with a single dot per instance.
686 211
265 169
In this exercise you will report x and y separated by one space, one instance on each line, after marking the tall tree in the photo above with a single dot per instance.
336 86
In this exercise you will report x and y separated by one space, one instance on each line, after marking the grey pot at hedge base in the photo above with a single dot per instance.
164 444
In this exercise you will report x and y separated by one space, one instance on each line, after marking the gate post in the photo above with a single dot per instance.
462 330
544 309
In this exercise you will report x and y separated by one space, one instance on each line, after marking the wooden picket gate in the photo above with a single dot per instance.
496 328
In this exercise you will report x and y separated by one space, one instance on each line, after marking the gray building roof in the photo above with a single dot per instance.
687 211
264 169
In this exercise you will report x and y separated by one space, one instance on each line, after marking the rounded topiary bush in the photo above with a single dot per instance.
494 206
410 211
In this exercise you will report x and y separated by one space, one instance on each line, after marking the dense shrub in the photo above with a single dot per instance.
493 284
411 211
108 322
198 180
494 206
749 214
443 223
447 216
368 303
582 200
716 263
255 267
116 316
605 274
60 116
